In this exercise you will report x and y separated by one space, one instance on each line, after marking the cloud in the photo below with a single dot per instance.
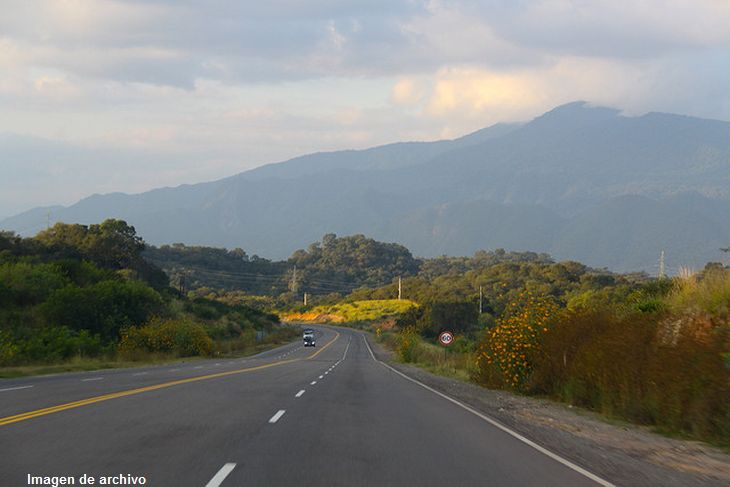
219 86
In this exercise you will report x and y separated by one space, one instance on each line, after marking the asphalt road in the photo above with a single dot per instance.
327 416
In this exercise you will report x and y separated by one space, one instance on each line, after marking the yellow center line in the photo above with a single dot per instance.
337 335
114 395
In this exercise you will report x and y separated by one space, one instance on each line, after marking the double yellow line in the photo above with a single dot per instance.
114 395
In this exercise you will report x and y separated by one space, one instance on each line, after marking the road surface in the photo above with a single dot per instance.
331 415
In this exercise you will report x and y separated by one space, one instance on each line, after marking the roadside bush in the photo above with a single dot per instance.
407 344
663 370
103 308
180 337
689 380
47 345
28 284
598 360
507 352
8 348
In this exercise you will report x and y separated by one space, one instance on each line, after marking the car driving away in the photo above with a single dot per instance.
308 337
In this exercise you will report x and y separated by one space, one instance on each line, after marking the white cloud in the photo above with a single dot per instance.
219 87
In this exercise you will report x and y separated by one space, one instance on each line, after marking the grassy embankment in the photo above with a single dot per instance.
352 313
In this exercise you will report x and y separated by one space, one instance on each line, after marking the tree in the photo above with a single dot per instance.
114 244
454 316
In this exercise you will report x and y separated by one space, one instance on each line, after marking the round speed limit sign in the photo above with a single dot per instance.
445 338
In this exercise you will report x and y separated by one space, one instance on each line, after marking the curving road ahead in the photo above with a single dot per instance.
328 416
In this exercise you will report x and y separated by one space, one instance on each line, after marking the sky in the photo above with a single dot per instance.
99 96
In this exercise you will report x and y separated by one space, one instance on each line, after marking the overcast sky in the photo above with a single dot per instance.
101 96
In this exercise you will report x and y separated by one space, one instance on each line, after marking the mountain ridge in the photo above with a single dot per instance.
542 186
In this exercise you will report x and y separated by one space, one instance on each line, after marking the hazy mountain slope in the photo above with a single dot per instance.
391 156
629 232
582 182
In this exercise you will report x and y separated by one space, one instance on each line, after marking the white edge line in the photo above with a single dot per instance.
219 477
91 378
299 394
15 388
499 425
370 349
277 416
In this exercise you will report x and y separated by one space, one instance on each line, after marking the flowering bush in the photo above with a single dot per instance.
506 353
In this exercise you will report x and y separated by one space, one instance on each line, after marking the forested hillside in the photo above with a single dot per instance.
78 291
332 265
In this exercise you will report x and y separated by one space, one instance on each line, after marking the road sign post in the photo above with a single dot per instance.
446 338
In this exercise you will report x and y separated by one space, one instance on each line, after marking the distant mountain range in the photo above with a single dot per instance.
580 182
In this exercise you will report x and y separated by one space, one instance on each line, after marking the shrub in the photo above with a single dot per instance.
598 360
507 352
103 308
47 345
180 337
29 284
407 344
689 381
8 348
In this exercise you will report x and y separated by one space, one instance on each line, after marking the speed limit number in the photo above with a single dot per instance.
445 338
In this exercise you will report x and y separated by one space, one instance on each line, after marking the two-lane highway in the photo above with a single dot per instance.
332 415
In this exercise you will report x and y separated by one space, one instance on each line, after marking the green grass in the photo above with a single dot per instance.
711 294
433 358
83 364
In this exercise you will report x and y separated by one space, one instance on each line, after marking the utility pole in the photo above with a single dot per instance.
662 274
294 280
481 299
400 289
305 299
48 220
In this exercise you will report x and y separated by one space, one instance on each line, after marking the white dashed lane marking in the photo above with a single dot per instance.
91 378
313 382
221 475
277 416
15 388
299 394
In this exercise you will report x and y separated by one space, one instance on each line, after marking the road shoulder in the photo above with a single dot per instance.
624 454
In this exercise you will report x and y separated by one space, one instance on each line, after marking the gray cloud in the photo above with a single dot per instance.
157 92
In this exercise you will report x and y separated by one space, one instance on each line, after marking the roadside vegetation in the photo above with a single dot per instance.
655 353
354 311
84 295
